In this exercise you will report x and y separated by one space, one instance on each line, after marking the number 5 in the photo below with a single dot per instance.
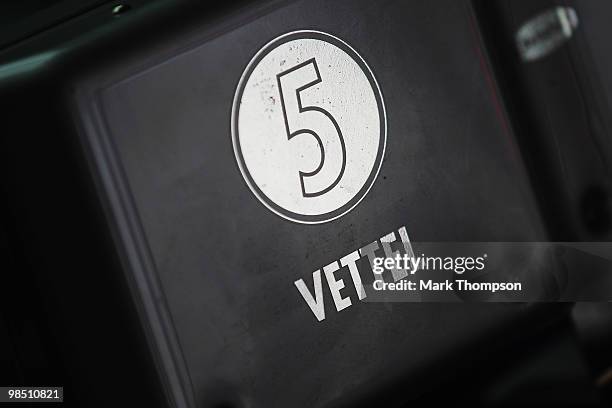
315 121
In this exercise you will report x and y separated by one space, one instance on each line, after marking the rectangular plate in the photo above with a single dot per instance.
214 269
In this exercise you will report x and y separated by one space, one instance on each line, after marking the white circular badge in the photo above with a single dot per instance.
309 126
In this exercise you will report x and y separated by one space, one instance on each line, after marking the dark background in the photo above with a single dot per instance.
46 340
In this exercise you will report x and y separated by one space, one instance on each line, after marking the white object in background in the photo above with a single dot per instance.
546 32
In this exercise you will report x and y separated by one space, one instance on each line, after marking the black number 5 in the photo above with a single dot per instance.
316 122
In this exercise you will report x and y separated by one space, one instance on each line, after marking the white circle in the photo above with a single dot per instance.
308 126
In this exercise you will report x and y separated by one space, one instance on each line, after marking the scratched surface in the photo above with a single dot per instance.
227 264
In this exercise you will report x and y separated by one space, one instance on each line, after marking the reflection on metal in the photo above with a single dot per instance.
26 65
546 32
120 9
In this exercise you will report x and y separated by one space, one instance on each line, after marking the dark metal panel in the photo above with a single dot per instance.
226 265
